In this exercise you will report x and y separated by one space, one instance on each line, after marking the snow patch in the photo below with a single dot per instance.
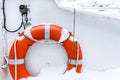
108 8
52 73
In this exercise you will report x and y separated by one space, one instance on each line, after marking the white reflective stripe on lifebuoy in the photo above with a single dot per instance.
47 32
20 38
64 35
19 61
75 61
28 34
72 38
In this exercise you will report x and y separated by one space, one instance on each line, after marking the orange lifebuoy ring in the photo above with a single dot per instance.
43 32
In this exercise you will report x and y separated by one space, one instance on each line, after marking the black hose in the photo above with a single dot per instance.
4 16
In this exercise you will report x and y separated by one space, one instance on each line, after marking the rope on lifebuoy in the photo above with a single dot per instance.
15 54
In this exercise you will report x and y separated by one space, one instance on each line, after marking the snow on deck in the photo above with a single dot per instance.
108 8
56 74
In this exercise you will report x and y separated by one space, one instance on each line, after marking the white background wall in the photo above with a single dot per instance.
98 36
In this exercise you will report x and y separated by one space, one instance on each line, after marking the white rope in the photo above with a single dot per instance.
73 38
4 60
15 54
74 27
77 55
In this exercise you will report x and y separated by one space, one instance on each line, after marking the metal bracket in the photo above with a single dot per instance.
5 62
